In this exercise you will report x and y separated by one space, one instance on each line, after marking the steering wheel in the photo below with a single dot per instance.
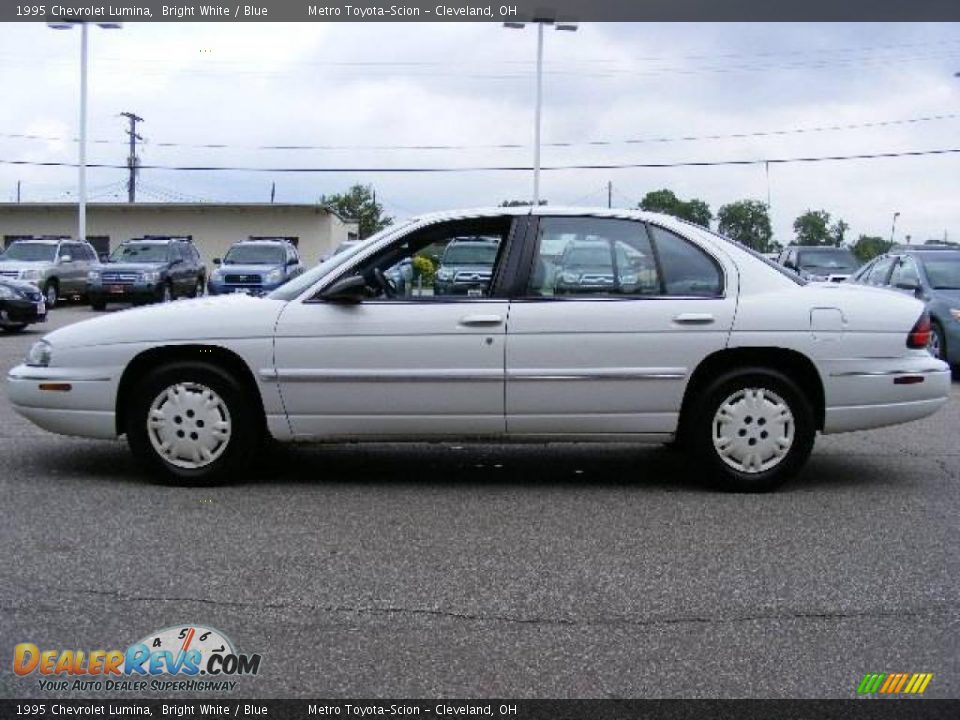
388 286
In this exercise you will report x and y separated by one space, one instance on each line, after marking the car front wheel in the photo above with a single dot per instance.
193 424
751 429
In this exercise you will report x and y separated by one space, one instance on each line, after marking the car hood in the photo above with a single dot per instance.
248 269
22 285
23 265
205 319
131 267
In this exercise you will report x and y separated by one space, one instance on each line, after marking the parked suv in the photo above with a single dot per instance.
931 274
819 262
58 266
466 267
255 267
145 270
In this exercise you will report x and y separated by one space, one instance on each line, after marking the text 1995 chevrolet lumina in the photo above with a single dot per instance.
672 334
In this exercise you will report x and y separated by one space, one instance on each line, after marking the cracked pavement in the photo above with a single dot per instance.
496 571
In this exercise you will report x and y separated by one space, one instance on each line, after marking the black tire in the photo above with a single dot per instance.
699 427
51 293
198 288
940 338
13 327
98 305
166 293
247 426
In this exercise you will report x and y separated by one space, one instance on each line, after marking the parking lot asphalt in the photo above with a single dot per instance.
494 571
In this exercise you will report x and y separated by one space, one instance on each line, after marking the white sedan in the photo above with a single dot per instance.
552 325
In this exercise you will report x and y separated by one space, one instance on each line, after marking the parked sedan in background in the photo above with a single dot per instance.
146 270
736 359
57 266
820 262
932 274
21 304
255 267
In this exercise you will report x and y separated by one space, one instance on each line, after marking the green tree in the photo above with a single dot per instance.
814 228
868 247
359 203
665 201
747 222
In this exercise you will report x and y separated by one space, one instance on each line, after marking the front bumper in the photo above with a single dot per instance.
137 292
87 409
222 288
23 311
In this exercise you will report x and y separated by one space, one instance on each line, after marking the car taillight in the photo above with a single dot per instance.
919 337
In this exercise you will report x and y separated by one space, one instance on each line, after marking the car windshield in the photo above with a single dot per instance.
943 271
255 255
838 259
31 252
140 253
593 256
295 287
470 254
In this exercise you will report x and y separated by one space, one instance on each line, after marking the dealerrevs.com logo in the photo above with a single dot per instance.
180 658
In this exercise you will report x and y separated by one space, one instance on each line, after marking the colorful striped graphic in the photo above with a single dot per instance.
894 683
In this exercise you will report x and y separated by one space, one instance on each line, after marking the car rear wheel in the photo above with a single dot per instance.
751 429
51 293
193 424
198 288
98 305
938 342
166 293
12 327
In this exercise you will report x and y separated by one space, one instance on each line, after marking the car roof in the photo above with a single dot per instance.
44 241
480 212
262 241
911 250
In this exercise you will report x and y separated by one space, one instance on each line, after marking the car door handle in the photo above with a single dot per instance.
481 320
694 318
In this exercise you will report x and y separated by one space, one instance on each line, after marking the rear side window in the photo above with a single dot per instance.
880 271
687 270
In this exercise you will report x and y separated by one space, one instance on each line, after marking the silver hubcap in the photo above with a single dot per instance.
51 295
934 345
753 430
189 425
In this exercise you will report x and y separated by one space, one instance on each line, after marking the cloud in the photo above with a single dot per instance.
375 84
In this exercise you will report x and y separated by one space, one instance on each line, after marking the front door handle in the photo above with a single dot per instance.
481 320
694 319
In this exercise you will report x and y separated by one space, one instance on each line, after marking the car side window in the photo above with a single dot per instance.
878 275
687 270
446 261
863 273
579 256
905 274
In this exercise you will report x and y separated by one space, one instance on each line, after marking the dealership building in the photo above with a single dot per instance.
213 227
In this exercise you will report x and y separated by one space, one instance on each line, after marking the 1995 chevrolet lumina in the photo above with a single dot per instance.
566 325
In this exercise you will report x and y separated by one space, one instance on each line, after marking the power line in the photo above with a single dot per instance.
508 146
502 168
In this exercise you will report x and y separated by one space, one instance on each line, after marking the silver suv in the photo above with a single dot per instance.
58 266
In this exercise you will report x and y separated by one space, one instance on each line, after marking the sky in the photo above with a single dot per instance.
366 92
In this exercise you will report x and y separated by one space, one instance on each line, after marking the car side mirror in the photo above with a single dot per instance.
217 261
351 289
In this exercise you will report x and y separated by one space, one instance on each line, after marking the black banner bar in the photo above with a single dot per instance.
177 709
481 10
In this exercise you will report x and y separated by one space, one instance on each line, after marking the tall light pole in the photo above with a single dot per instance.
893 228
539 22
69 24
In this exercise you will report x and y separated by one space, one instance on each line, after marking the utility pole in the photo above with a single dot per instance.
609 194
18 202
273 192
133 162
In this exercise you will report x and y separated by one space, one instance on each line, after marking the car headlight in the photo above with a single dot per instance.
217 275
275 275
151 276
955 312
569 277
8 293
40 354
444 274
30 274
629 279
93 276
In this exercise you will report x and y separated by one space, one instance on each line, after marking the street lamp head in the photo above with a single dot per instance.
568 26
68 24
515 25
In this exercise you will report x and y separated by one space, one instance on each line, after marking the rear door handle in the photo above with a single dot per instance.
481 320
694 318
